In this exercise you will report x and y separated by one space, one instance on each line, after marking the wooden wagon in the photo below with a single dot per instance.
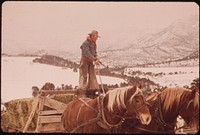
47 111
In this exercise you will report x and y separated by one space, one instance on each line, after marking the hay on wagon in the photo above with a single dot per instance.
18 111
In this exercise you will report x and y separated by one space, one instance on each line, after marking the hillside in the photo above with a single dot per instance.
187 61
175 42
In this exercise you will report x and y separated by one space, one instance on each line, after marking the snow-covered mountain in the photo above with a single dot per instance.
129 47
176 41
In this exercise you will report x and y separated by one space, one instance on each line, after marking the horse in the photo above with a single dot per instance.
106 113
165 107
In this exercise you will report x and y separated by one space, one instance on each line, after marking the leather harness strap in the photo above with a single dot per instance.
103 120
88 105
89 121
100 119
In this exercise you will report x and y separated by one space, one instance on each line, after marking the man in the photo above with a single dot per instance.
35 91
87 78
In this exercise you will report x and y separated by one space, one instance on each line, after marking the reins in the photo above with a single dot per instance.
88 122
103 115
100 80
100 112
100 115
159 116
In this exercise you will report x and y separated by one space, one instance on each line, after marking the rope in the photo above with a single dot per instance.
100 80
89 121
88 105
86 123
103 115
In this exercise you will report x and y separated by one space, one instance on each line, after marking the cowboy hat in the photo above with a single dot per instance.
94 32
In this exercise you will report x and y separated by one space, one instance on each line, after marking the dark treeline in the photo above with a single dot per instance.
148 85
56 61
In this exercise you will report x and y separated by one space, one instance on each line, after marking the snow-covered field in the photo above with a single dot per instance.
174 76
19 74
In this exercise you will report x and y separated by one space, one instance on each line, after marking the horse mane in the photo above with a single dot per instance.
117 97
151 96
176 96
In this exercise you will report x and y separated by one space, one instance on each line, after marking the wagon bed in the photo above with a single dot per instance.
41 114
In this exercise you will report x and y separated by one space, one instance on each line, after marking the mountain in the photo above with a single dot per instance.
129 47
176 41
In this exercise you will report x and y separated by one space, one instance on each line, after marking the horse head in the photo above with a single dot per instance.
138 106
165 107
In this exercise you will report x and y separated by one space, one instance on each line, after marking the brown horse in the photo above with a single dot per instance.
165 108
105 113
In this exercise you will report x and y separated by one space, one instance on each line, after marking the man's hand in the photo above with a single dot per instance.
97 62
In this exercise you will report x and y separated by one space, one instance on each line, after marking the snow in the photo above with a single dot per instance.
184 76
19 74
167 69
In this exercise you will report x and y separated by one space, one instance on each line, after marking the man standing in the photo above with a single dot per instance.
87 78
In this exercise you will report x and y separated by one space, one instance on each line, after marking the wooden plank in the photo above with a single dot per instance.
53 127
70 91
51 112
62 91
54 104
58 91
49 119
34 108
41 107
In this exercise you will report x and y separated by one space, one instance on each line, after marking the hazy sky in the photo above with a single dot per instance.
44 24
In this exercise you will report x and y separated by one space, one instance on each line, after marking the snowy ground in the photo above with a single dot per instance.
19 74
184 76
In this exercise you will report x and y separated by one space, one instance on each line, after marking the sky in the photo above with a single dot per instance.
64 25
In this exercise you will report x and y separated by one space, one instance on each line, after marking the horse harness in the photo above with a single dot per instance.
159 119
159 116
100 119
